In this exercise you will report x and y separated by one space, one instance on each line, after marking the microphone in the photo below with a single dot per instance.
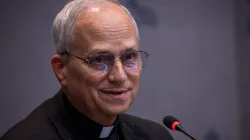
173 124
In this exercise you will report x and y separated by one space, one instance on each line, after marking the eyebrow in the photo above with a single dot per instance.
106 51
130 49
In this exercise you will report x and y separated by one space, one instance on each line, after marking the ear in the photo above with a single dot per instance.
59 69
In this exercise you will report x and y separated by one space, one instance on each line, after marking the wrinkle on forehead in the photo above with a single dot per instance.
105 23
114 48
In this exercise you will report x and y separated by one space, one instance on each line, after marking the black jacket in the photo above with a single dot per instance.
51 121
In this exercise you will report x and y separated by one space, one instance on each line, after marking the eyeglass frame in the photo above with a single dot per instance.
86 60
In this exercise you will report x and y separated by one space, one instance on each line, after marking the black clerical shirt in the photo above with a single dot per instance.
85 128
57 119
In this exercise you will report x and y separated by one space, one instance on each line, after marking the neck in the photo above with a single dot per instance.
102 119
97 116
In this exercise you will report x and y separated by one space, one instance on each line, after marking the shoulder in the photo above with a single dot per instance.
151 128
36 125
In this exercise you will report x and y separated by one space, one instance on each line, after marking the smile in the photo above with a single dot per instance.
114 91
120 94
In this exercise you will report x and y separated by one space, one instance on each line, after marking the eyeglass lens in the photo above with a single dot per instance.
132 61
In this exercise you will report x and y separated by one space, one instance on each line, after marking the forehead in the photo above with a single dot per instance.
106 28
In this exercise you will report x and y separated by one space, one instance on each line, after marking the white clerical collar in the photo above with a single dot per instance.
106 130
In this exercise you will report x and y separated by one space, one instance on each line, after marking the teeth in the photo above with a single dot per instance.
110 92
115 92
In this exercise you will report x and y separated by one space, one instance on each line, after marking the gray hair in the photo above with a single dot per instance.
63 28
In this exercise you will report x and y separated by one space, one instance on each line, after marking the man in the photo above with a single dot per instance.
98 65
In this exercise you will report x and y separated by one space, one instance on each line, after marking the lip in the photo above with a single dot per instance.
112 95
111 90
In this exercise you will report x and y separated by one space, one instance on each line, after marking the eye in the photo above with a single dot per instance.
131 59
97 59
130 56
100 58
100 61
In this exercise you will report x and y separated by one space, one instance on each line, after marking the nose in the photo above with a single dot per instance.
117 73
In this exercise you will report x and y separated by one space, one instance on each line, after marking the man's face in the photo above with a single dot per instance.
106 31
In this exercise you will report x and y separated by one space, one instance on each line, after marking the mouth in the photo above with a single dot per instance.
115 93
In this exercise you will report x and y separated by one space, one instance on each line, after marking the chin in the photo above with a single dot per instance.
116 110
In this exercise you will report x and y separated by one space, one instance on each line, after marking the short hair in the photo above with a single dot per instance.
63 27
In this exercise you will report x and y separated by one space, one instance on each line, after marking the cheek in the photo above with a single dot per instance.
135 80
80 81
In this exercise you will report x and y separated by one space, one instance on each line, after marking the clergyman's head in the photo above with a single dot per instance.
98 61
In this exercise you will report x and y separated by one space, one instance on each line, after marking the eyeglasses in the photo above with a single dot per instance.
133 60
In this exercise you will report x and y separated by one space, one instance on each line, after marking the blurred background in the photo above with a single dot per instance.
198 68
